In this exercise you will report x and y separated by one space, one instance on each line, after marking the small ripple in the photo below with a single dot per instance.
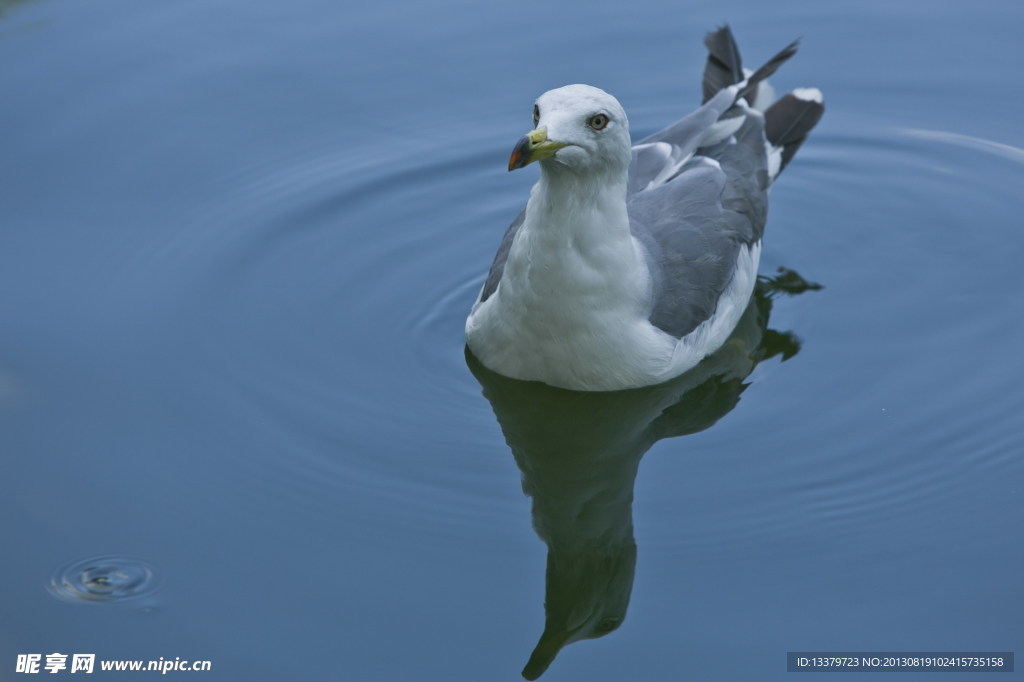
969 141
104 579
439 325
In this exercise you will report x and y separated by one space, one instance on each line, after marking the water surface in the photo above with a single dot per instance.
237 245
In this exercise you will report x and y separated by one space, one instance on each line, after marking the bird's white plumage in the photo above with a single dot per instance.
670 158
573 304
809 95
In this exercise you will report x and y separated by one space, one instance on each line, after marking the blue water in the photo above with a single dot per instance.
238 241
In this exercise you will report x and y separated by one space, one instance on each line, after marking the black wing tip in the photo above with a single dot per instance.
768 68
724 65
723 32
789 120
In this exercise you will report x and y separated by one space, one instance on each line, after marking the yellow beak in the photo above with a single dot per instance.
533 146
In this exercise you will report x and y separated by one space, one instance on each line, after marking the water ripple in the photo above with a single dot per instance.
969 141
329 293
104 579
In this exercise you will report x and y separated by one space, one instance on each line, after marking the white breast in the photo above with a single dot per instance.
569 317
578 319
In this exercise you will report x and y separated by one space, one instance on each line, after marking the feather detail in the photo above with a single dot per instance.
750 89
724 66
788 121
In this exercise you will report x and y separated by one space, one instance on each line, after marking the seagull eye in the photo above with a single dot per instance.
536 115
598 121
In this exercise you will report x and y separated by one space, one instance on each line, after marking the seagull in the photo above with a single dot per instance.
631 263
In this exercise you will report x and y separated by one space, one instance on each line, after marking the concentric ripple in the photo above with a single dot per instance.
104 579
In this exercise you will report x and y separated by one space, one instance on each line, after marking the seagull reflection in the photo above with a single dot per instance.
579 453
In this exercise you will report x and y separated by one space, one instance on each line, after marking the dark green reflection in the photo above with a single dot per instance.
7 5
579 454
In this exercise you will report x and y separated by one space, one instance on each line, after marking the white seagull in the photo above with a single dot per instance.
629 265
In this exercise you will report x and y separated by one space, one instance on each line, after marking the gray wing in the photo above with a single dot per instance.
667 149
693 224
694 203
498 266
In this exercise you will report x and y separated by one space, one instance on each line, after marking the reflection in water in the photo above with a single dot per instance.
6 5
579 454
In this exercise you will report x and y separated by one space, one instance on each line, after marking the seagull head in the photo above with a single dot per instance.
579 128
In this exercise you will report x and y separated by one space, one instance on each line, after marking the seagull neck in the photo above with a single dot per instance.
591 206
575 254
